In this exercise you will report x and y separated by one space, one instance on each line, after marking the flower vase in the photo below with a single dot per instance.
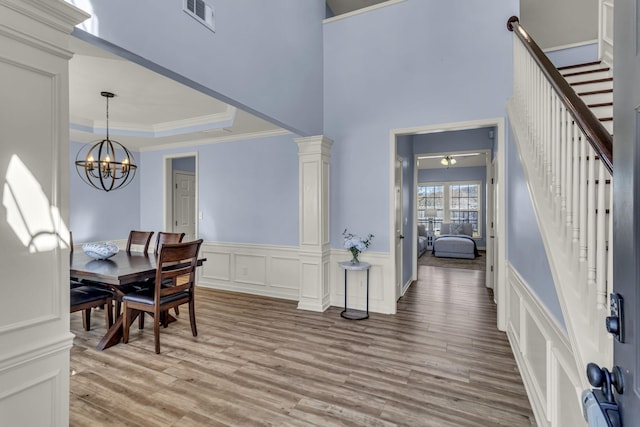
354 254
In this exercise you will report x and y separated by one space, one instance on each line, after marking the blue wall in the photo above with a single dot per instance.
410 64
264 57
573 55
248 190
96 215
186 164
525 249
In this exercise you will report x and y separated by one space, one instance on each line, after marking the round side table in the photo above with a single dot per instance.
349 313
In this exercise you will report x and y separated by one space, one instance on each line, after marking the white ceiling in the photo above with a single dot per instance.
149 110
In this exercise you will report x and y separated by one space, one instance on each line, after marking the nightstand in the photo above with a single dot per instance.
430 236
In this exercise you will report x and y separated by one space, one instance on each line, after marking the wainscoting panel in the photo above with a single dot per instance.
542 350
283 272
256 269
281 276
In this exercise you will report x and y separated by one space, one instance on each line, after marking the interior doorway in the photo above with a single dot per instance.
404 141
181 194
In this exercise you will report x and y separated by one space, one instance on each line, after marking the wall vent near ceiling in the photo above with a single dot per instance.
201 12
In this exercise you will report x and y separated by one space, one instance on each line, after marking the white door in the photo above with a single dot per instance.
184 204
398 227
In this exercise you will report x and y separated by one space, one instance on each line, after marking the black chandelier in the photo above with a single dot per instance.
98 164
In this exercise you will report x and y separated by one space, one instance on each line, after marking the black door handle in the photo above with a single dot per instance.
401 236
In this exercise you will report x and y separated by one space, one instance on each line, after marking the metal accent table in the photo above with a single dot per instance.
353 314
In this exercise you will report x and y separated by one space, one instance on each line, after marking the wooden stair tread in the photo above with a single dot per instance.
585 64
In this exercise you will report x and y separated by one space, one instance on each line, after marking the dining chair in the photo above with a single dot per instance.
162 238
176 263
167 237
85 298
73 282
139 238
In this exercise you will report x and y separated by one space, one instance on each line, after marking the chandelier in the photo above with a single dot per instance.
98 164
448 161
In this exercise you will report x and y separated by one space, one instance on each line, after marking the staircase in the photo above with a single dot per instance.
593 82
562 121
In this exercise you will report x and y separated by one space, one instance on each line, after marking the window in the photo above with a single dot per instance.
453 202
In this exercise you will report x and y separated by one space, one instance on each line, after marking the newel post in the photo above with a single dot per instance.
314 153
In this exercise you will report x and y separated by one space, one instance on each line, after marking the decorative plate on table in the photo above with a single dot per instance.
100 250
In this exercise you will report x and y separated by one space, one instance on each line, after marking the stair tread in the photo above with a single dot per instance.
584 64
585 82
586 72
591 77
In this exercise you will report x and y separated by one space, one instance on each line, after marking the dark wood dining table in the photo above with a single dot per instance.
116 272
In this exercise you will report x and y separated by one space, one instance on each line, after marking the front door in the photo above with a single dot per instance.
626 187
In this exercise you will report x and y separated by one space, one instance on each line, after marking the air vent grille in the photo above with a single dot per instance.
201 12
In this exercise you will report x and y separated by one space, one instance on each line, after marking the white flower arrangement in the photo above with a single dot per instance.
356 244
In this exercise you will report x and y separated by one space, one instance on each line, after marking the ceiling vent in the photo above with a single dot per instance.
201 12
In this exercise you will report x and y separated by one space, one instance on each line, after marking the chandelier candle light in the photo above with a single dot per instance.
356 244
98 164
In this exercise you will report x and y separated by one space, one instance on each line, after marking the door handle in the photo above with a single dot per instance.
401 236
599 407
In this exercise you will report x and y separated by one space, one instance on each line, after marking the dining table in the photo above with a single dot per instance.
116 272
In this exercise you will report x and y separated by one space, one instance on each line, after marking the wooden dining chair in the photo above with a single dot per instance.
85 298
74 282
167 237
176 263
139 238
162 238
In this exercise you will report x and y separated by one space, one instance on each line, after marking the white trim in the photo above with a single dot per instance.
361 11
499 216
570 46
167 193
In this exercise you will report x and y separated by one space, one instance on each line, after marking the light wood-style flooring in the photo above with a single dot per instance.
440 361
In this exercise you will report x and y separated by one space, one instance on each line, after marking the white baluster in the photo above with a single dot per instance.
591 219
601 252
583 196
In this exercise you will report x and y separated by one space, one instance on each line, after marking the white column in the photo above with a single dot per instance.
314 153
34 174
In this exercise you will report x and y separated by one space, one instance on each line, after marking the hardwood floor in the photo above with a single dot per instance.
440 361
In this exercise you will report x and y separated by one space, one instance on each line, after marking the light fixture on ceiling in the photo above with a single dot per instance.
448 161
98 164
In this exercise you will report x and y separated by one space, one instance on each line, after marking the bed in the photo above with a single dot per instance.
455 241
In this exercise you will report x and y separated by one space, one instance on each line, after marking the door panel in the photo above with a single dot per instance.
626 187
398 227
184 199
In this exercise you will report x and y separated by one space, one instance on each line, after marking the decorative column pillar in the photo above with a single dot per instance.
34 174
314 153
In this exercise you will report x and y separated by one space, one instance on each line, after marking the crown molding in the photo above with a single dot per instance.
161 129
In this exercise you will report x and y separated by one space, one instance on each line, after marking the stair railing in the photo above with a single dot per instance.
567 156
